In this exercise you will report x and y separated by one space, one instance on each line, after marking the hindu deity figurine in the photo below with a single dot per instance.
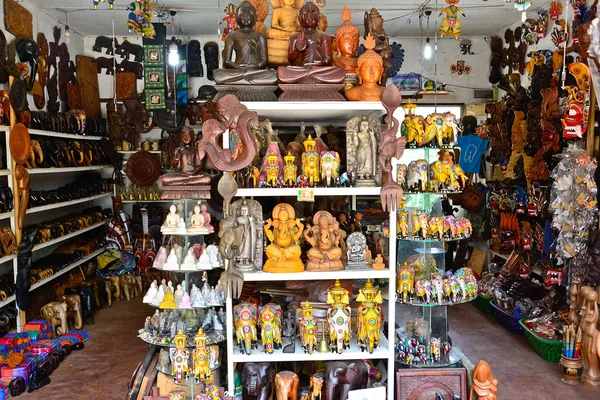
330 167
290 170
362 134
248 219
347 37
230 21
451 24
283 232
338 318
324 237
249 66
405 285
311 162
270 324
197 223
357 251
180 368
308 328
284 23
368 317
374 27
189 180
201 357
272 170
310 55
370 75
207 217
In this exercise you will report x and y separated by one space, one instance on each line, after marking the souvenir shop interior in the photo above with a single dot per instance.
299 199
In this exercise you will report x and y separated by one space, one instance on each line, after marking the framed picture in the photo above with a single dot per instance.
155 77
407 82
154 55
426 383
181 82
155 99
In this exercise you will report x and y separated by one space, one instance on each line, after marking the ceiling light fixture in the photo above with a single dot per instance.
173 58
427 49
67 29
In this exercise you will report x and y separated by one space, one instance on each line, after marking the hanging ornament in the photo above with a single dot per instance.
110 3
555 10
460 68
140 15
559 34
229 20
451 24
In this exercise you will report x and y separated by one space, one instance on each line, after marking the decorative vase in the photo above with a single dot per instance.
571 370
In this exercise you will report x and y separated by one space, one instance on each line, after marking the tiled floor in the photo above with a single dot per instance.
103 369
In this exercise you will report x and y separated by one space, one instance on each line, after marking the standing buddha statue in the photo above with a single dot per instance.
284 23
347 37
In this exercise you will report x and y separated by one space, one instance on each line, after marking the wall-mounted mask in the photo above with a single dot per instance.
211 58
465 47
28 53
194 59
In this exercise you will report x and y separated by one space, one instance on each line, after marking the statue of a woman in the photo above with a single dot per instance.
245 259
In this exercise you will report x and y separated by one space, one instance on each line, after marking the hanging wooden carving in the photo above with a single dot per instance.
87 73
53 104
18 20
126 85
40 99
63 70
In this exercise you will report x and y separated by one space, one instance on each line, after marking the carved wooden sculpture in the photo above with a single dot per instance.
485 385
53 106
18 20
589 352
56 313
40 99
286 385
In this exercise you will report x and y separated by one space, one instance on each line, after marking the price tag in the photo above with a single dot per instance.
306 194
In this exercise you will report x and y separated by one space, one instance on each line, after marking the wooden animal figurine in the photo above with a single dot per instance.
56 313
342 378
258 381
201 358
316 386
73 302
286 385
128 285
115 284
139 286
308 328
484 385
245 316
369 317
405 282
270 325
338 318
180 358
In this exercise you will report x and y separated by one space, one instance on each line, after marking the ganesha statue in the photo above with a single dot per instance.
405 285
338 318
284 231
245 316
368 318
270 326
324 237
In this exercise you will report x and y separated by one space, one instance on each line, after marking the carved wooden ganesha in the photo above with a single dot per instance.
325 236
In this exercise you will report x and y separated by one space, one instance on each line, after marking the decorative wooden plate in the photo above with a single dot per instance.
18 95
18 20
19 143
126 85
143 168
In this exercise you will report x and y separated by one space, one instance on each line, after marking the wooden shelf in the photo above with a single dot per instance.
5 172
68 236
136 151
7 258
36 171
40 132
65 203
319 191
67 269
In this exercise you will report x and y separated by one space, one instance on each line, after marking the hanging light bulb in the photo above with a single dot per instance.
427 50
523 16
67 29
173 54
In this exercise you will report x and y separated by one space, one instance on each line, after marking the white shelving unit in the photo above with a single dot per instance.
68 236
36 171
66 203
40 132
319 191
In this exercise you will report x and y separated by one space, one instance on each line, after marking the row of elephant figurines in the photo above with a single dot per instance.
269 318
423 227
435 130
199 365
411 351
449 288
112 66
439 176
260 382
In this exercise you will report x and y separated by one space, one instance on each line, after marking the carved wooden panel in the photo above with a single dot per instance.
87 75
126 85
425 384
18 20
75 96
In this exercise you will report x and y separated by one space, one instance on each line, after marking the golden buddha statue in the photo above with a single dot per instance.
168 302
347 38
284 23
370 71
283 231
262 12
325 253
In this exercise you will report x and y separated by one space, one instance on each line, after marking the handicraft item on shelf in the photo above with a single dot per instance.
270 327
248 219
245 317
344 377
40 98
246 76
201 359
308 328
283 232
194 59
290 170
338 318
180 358
140 16
286 385
324 237
230 21
405 286
87 75
211 58
311 75
311 162
347 37
330 167
370 69
374 27
451 24
589 350
258 381
368 318
284 23
28 65
262 12
578 103
450 176
484 383
362 136
357 251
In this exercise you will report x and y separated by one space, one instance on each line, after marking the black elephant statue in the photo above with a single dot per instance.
106 63
132 66
341 378
257 381
126 48
104 42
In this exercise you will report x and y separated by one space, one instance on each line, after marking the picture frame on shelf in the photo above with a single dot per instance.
407 82
154 77
415 384
154 55
155 99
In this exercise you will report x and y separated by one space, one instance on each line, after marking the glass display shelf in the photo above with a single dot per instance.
436 304
214 337
191 381
408 239
441 193
451 360
186 309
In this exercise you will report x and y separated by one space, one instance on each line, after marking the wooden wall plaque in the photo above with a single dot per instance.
126 85
87 75
18 20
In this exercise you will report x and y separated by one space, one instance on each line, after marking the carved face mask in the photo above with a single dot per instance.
211 58
28 53
194 62
573 118
553 277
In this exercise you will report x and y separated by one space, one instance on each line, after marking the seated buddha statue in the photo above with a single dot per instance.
370 71
250 49
325 253
310 53
284 23
283 231
347 37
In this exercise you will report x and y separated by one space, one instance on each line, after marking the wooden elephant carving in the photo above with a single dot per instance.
56 313
73 309
341 378
139 286
128 286
257 381
286 385
115 284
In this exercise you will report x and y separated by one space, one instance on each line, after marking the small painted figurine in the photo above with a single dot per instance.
419 224
245 316
272 170
338 318
270 325
201 357
229 20
369 317
308 328
311 162
434 349
406 282
181 356
324 237
330 167
290 170
451 24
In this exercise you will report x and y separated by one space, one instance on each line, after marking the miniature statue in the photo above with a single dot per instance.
270 325
405 284
272 163
172 221
258 381
362 134
180 357
198 225
435 349
248 218
311 162
168 301
374 27
284 23
201 356
290 170
450 176
403 224
330 167
286 385
160 295
230 21
347 37
262 12
272 171
308 328
283 231
589 352
368 318
316 386
288 330
324 237
310 55
484 385
451 24
207 217
370 75
151 293
379 264
338 318
186 302
178 294
198 300
56 313
245 316
357 246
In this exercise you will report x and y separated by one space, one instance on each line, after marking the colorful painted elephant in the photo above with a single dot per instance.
447 289
245 316
270 326
434 129
419 224
416 175
434 348
340 331
449 175
456 290
450 130
403 223
438 289
413 127
308 333
465 228
420 290
450 227
368 327
405 282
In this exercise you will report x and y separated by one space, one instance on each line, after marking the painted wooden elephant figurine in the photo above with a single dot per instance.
286 385
416 175
73 309
368 327
245 316
341 378
258 381
413 127
115 286
270 325
56 313
405 282
128 285
340 331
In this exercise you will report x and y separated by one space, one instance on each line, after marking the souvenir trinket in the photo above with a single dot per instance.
311 162
347 37
289 171
369 317
460 68
324 237
330 167
286 385
449 175
141 13
373 22
258 380
283 232
270 327
362 134
211 59
230 21
370 71
201 357
578 103
405 283
451 24
308 328
357 246
248 219
284 23
245 316
180 357
338 318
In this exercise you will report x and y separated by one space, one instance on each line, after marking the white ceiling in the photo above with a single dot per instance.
201 17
